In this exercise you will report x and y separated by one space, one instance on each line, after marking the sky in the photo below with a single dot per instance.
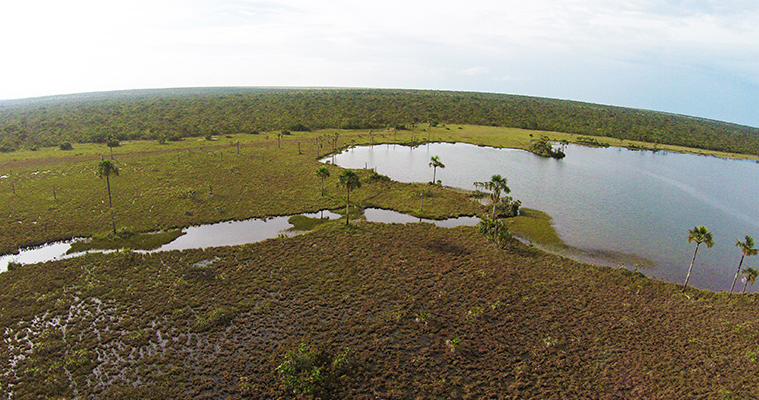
692 57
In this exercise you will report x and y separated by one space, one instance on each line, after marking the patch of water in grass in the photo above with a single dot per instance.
230 233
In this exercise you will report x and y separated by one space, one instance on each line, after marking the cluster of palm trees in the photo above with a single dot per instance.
701 235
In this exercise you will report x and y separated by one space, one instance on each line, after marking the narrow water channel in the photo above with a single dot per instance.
230 233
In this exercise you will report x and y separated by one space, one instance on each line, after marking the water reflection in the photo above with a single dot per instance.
607 200
229 233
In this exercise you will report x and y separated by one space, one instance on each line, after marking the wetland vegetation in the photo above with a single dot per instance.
353 310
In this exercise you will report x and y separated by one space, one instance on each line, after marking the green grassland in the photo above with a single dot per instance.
197 181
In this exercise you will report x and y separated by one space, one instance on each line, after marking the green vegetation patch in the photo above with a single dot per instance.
535 226
303 223
216 317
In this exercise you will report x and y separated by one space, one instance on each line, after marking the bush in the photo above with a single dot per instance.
507 207
299 128
217 317
375 177
113 143
313 371
66 146
125 232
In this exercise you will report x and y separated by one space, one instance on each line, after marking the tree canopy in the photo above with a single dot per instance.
177 113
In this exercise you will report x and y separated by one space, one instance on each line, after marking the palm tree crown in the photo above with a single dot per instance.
747 249
751 274
350 181
496 185
699 234
105 169
435 163
323 173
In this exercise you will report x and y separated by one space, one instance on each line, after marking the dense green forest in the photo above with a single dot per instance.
175 113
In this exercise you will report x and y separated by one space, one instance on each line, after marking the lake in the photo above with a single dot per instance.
608 200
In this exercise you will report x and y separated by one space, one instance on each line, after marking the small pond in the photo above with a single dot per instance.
230 233
607 200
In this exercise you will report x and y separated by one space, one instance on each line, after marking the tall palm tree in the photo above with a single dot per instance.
747 249
323 173
350 181
435 164
751 274
699 234
495 185
106 169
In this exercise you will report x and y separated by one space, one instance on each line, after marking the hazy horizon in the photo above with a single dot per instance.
690 57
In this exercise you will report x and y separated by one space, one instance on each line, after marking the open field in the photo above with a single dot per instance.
198 181
418 312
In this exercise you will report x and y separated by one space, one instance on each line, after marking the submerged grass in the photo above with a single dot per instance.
535 226
303 223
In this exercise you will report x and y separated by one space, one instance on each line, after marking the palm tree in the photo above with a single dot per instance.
751 274
435 163
747 249
323 173
350 181
699 234
496 185
106 169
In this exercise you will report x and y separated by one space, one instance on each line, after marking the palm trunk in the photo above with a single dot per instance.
744 287
434 174
110 203
322 186
736 274
347 210
687 278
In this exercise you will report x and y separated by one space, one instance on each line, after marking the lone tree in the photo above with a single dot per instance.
435 164
323 173
699 234
495 185
747 249
750 274
106 169
350 181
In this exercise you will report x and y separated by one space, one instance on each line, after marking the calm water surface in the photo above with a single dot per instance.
229 233
608 200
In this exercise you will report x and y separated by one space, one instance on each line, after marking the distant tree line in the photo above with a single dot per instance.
176 113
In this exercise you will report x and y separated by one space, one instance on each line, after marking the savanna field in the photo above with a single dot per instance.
363 310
